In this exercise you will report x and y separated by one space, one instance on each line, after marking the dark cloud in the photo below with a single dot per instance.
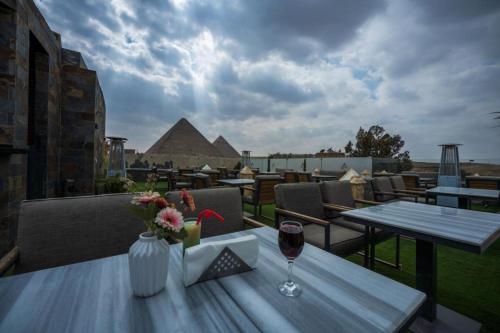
295 28
313 71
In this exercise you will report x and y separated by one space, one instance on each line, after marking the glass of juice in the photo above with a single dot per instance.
193 234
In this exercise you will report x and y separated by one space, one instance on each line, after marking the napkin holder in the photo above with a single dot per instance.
213 260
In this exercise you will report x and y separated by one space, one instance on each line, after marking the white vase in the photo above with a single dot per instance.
148 265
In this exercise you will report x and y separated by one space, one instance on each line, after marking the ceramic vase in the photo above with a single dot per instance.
148 265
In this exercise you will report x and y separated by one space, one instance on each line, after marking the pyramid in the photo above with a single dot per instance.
183 139
225 149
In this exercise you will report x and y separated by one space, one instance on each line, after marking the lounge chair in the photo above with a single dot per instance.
384 192
225 201
62 231
261 193
338 196
303 202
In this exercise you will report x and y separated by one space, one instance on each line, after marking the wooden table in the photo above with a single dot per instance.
236 182
319 178
95 296
463 194
430 225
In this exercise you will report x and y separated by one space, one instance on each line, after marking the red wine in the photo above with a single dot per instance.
291 240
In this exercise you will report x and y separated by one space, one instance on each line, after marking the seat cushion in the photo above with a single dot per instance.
338 193
61 231
224 200
398 183
344 241
303 198
383 184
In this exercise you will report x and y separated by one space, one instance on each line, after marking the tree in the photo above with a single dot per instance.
376 143
348 148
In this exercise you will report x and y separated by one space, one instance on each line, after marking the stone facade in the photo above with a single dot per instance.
37 82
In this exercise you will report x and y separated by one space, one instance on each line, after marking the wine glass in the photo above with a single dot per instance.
291 243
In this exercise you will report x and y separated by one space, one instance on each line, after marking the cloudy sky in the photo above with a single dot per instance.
294 75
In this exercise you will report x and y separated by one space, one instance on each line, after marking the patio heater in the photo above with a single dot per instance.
116 163
449 173
245 158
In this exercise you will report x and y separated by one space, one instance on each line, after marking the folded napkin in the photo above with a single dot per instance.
211 260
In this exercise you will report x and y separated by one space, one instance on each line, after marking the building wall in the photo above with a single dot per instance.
18 20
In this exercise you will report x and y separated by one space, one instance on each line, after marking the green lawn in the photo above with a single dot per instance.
467 283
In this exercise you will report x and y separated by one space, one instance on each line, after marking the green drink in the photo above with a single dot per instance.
193 234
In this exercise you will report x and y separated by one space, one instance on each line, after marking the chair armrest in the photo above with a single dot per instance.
253 223
306 218
337 208
418 193
368 202
247 187
7 261
396 194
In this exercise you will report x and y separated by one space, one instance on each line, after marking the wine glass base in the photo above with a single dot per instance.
289 289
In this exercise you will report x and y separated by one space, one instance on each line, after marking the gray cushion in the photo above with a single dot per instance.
383 184
398 183
225 201
303 198
343 241
337 192
54 232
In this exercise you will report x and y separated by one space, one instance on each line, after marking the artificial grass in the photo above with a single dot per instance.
467 283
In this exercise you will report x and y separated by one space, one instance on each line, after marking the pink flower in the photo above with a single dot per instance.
170 219
145 198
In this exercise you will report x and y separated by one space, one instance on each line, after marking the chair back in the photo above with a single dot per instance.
291 176
264 188
223 173
201 180
62 231
410 180
303 198
398 183
304 177
383 184
338 193
224 200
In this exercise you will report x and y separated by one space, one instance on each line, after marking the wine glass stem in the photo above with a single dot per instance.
290 266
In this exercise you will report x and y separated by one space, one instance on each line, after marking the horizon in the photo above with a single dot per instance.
295 78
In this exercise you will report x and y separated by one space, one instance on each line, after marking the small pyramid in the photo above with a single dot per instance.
225 149
183 139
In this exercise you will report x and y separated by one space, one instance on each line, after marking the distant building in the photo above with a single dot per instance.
52 115
185 146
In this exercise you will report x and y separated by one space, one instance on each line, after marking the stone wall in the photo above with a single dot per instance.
80 116
27 43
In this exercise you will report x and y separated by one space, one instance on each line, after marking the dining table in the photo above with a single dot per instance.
95 296
320 178
464 194
430 225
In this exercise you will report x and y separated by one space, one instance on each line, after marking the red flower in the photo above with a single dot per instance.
208 213
187 200
161 203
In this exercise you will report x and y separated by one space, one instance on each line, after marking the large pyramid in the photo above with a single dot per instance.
183 139
225 149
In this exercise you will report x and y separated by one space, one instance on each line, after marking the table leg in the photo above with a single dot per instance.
463 203
367 246
426 267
